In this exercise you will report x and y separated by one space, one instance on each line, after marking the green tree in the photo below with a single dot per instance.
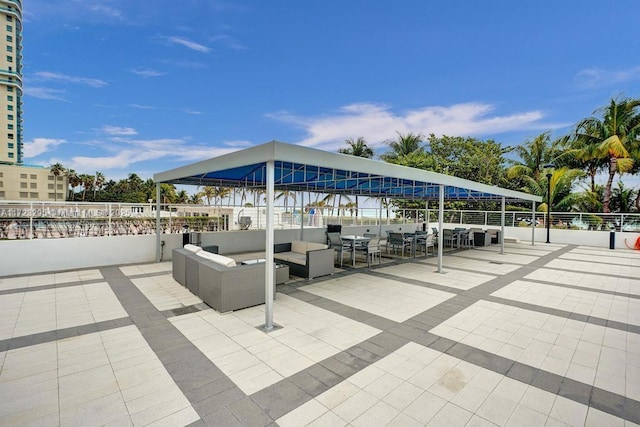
468 158
56 170
561 184
74 180
182 197
615 138
403 146
357 148
622 198
533 155
98 183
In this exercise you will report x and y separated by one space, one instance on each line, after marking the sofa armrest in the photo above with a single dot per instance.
320 262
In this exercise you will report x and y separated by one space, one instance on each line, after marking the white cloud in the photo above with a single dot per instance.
188 44
143 107
597 77
193 112
45 93
38 146
131 151
378 123
119 131
146 72
105 10
51 76
228 42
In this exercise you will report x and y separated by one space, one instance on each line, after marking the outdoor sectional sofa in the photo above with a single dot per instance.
305 259
217 280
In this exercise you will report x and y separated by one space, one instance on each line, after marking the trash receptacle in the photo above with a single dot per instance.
612 240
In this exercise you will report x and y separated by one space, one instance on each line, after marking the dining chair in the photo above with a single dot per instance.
371 250
335 242
397 241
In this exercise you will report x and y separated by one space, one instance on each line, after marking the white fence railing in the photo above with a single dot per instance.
45 220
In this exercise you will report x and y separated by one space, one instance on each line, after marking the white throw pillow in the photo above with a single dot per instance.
218 259
192 248
299 247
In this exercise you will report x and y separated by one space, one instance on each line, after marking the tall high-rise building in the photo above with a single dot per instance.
18 181
11 82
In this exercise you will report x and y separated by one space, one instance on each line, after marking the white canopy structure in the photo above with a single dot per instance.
276 165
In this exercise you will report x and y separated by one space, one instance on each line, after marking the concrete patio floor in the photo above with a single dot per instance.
541 335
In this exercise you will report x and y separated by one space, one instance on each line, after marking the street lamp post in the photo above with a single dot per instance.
548 168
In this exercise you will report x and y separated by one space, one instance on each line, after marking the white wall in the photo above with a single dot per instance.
44 255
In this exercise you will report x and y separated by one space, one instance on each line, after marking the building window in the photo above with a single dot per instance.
34 185
9 88
34 195
10 135
9 58
9 107
1 174
52 195
2 194
9 116
10 126
50 186
23 185
10 145
9 48
9 28
23 176
9 38
1 184
11 155
9 18
33 176
51 177
10 98
24 194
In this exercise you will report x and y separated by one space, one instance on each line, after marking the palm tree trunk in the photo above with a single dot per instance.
613 162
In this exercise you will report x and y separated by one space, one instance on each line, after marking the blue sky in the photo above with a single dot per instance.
143 86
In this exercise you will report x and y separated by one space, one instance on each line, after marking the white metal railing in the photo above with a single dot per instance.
19 220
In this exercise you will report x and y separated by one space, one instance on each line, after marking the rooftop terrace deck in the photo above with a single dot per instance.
542 335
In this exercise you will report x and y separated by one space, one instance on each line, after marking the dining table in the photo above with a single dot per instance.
355 241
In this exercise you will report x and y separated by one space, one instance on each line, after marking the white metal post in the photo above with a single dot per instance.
269 268
158 228
441 223
533 223
502 226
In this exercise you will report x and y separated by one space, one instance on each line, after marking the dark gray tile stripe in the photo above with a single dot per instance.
584 288
576 257
593 273
567 314
211 393
416 330
194 308
49 336
54 286
154 274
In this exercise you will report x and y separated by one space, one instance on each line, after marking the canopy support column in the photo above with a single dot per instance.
502 210
380 218
302 218
533 223
269 267
440 224
158 227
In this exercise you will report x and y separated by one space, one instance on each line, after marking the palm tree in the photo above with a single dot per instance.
182 197
622 198
533 155
285 194
98 183
208 192
56 170
86 181
614 138
561 196
357 147
403 146
196 198
74 180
